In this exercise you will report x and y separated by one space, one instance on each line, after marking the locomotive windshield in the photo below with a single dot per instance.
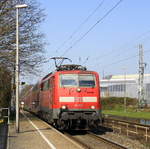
77 80
69 80
86 80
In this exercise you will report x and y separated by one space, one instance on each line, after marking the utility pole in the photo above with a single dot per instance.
103 74
125 99
141 101
17 73
17 64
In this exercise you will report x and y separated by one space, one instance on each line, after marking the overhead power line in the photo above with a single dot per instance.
101 57
86 20
92 27
125 59
86 60
80 26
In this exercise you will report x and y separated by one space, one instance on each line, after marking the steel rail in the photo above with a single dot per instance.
107 141
83 145
98 138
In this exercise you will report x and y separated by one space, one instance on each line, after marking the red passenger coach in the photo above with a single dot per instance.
31 99
69 98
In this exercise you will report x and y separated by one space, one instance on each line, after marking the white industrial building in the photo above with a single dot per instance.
124 85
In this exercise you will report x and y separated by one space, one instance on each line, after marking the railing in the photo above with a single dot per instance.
128 128
5 113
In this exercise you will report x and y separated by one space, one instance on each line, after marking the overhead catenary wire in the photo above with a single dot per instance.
125 59
86 20
92 27
121 49
80 26
85 61
142 35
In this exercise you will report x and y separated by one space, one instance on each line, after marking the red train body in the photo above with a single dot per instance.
68 99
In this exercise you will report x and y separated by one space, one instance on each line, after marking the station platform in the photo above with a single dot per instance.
3 134
36 134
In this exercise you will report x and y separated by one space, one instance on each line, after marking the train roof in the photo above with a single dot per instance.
68 69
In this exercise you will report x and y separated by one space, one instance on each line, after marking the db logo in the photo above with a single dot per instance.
78 99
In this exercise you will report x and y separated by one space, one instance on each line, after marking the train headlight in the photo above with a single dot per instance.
78 90
63 107
92 107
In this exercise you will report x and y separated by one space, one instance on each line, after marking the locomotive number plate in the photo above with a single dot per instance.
78 99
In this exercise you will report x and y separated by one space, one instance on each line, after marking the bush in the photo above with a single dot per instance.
110 103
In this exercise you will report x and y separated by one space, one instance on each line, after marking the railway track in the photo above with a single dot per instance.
130 129
92 141
107 141
89 140
78 141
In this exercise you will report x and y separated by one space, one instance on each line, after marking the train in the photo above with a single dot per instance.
68 98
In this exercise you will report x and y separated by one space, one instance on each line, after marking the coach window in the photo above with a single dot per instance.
52 82
46 85
41 87
35 88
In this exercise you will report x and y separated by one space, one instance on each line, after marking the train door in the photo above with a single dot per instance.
41 96
51 99
52 92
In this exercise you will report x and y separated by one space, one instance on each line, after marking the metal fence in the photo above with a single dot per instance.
4 114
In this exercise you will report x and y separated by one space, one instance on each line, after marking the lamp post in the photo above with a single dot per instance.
125 99
17 64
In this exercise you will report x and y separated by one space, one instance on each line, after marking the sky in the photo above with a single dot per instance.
110 48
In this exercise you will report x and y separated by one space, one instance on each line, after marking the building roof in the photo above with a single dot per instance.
131 76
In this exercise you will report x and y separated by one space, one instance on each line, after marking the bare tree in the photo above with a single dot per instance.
5 87
31 40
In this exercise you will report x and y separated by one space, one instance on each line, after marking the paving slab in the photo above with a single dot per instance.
36 134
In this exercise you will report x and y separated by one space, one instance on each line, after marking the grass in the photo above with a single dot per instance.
129 113
115 106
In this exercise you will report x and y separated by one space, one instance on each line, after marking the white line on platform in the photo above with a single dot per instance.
70 140
42 135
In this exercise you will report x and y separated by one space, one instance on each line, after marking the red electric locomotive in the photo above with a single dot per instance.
68 98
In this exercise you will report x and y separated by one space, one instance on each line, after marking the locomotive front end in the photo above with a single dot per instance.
79 99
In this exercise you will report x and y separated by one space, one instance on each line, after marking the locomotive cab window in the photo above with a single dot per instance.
86 80
68 80
77 80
